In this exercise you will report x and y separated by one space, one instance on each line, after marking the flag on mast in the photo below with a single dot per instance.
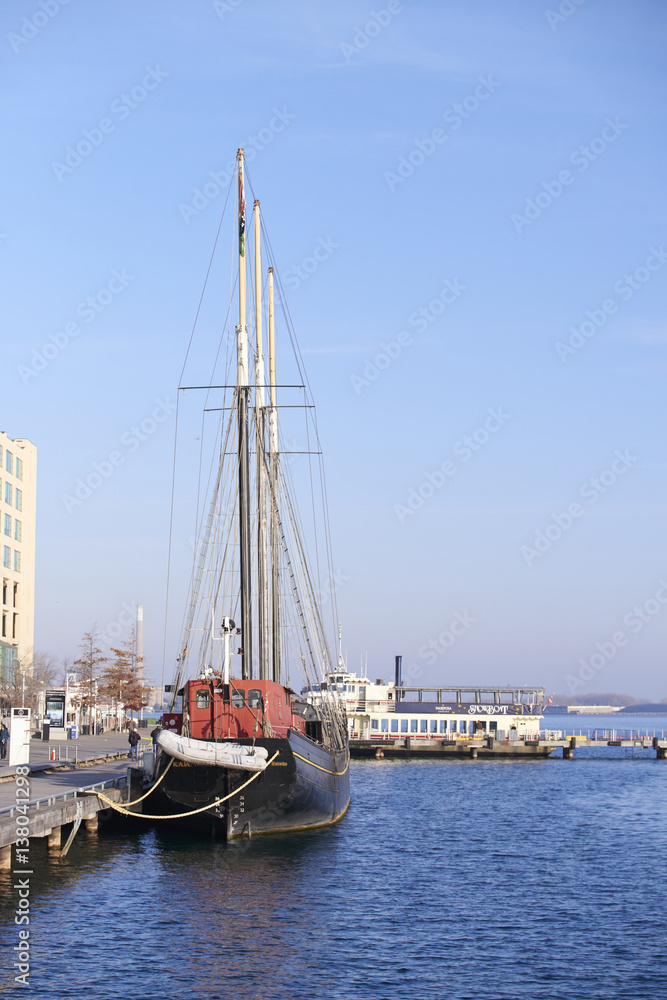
241 216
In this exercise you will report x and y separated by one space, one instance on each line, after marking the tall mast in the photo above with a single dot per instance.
273 479
262 596
242 403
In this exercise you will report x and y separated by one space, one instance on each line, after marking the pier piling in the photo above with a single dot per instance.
54 838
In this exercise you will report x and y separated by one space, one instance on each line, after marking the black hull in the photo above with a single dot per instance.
307 786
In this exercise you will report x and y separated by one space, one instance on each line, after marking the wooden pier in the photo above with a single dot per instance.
487 747
53 800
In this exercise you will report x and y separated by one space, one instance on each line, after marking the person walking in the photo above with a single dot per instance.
155 733
4 736
133 739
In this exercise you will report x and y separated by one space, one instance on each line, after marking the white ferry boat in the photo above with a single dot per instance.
387 718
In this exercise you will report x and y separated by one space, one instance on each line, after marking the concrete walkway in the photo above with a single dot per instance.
76 751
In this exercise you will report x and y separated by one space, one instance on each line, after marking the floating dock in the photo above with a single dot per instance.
488 747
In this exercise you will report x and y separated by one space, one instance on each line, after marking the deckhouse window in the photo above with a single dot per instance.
443 725
413 725
423 724
254 698
202 699
434 725
238 698
394 725
404 725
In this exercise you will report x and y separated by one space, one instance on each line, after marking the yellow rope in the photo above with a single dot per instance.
193 812
153 787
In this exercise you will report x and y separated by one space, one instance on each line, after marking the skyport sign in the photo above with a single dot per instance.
461 708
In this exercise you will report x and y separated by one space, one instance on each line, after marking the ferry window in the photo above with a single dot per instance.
452 726
389 696
413 725
404 725
374 723
443 725
394 725
202 699
423 725
464 726
238 698
254 698
434 725
385 725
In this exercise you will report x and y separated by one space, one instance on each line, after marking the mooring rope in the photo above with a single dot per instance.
193 812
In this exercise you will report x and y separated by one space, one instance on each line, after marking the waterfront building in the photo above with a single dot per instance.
18 472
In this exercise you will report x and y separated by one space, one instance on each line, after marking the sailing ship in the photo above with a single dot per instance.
244 753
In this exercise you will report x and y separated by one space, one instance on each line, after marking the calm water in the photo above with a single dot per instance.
472 879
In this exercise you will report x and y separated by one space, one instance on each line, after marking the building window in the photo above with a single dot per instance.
17 530
16 595
8 461
5 584
17 562
8 524
15 619
19 499
7 557
8 493
19 468
4 626
394 725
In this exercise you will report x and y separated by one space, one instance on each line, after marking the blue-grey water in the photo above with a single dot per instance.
490 880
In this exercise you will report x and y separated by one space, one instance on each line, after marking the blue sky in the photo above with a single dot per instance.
498 166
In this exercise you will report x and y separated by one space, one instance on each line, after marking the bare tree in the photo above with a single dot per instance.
87 665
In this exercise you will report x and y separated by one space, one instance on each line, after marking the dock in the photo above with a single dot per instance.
488 747
55 798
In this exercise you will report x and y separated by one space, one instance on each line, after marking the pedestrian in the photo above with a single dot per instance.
4 736
155 733
133 739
